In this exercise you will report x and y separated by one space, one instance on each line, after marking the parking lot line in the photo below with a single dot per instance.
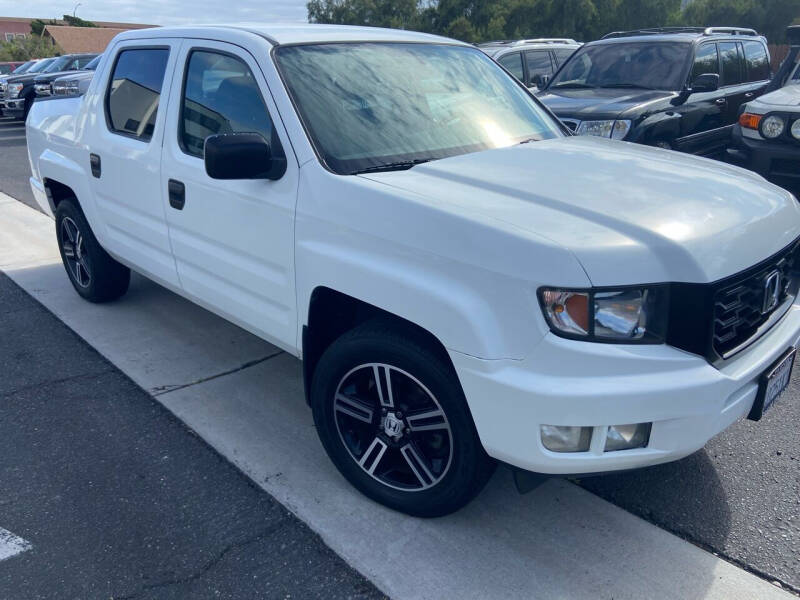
556 542
11 545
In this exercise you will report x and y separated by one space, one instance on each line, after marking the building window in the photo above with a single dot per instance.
9 37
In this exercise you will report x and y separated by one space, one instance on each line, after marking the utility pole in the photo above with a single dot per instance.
74 10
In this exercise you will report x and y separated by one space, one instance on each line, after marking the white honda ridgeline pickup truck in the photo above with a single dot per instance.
464 280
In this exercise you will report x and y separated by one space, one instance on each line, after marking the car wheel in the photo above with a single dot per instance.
392 417
94 274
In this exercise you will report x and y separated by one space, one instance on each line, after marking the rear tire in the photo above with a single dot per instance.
93 273
392 417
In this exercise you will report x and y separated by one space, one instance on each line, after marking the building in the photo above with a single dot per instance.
73 40
20 27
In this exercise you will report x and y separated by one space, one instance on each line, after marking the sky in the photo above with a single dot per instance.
163 12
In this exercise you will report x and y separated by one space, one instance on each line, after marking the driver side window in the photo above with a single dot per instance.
220 95
705 61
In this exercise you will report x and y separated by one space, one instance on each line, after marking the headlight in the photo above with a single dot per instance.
42 89
616 130
772 127
73 87
14 89
796 129
632 315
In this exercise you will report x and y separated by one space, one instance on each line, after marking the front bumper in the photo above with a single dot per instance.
765 157
14 107
574 383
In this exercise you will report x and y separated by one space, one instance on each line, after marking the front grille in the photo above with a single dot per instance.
740 308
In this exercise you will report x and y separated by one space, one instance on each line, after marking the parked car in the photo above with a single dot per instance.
678 88
766 137
7 94
463 279
17 71
43 84
8 67
532 61
76 83
21 91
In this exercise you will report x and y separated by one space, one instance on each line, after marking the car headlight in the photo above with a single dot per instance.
796 129
772 127
72 87
42 88
14 89
632 315
616 130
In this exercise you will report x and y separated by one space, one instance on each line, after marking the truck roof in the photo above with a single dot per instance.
279 34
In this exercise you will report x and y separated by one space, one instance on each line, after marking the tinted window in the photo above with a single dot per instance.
538 63
654 65
80 63
5 69
706 60
220 96
562 54
757 61
92 64
134 91
731 63
513 62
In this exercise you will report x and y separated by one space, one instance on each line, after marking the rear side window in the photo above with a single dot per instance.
220 95
562 54
538 63
705 61
755 54
513 62
134 91
732 71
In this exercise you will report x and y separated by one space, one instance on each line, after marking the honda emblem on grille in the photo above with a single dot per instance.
772 292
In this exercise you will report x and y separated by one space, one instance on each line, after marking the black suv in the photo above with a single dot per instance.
678 88
21 91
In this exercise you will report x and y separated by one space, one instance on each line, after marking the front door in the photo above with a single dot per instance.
233 241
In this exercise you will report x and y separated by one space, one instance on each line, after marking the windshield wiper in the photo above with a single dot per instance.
574 84
628 85
402 165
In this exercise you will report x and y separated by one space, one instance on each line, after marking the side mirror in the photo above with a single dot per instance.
242 156
707 82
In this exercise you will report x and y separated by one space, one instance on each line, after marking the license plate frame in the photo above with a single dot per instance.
772 383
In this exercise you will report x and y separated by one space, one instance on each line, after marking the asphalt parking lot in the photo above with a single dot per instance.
71 494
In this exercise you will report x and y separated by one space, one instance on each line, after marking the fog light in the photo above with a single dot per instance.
566 439
626 437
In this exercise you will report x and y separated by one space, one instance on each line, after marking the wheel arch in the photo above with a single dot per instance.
332 313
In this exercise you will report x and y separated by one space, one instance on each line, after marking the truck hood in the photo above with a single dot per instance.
787 97
630 214
602 103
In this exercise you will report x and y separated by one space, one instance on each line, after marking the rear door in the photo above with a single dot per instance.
233 241
124 149
734 80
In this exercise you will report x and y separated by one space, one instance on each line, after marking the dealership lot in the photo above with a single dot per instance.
739 497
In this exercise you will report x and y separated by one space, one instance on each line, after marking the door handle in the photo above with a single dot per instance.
94 164
720 101
177 194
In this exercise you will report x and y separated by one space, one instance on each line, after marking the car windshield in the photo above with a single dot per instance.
41 65
389 106
652 65
92 64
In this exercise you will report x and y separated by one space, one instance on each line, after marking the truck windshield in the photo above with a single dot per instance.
389 106
652 65
40 66
57 65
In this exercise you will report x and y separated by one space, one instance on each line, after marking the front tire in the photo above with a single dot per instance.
93 273
392 417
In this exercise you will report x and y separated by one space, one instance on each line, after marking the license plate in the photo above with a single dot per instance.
773 382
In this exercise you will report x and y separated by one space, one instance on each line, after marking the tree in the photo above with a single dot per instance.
77 22
32 46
